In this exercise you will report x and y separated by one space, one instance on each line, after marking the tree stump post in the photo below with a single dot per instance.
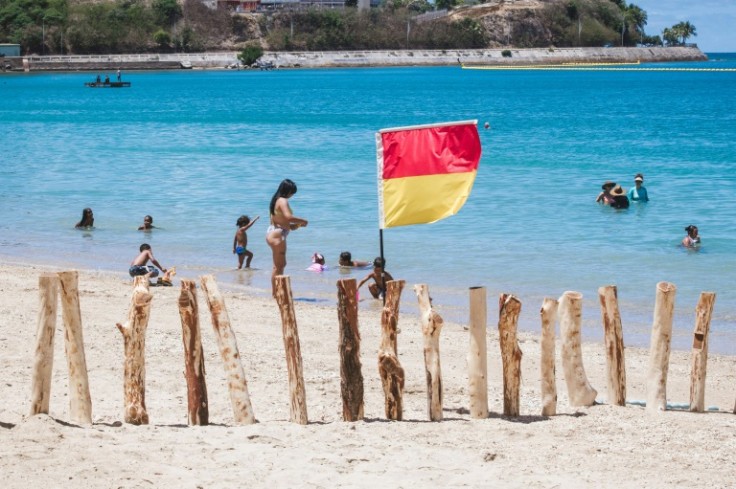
228 346
569 312
477 354
659 353
389 368
547 361
508 317
43 358
703 314
134 337
194 371
614 340
431 329
297 391
80 402
351 375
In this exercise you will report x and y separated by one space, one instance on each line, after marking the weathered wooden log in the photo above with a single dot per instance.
134 337
703 313
194 371
569 312
80 402
43 358
431 329
228 346
508 317
659 353
389 367
297 391
614 340
547 360
350 367
477 354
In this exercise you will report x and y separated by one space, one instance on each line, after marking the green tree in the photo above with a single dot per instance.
166 11
684 30
250 54
670 36
638 19
162 38
446 4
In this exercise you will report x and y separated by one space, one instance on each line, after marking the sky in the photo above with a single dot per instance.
714 21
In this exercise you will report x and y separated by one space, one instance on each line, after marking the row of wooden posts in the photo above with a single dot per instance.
567 310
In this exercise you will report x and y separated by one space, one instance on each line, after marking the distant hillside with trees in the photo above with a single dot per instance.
143 26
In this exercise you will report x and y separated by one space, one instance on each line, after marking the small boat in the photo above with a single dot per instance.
112 84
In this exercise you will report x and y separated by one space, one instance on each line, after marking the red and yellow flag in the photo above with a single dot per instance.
425 173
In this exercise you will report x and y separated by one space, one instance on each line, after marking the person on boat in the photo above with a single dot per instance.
639 192
693 238
88 219
620 200
282 222
605 197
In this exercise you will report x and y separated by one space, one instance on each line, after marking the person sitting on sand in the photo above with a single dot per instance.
380 277
147 224
318 263
620 201
138 266
346 260
693 238
240 242
605 197
88 219
639 192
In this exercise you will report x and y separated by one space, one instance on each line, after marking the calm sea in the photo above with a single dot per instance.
197 149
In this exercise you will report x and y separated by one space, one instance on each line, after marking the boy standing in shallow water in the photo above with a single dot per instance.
240 243
378 287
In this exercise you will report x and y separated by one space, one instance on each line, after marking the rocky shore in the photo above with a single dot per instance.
331 59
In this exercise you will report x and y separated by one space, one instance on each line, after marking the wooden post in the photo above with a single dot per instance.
43 360
389 368
134 337
297 391
659 353
703 313
508 317
350 367
478 355
431 329
614 339
547 361
80 402
197 405
569 312
228 345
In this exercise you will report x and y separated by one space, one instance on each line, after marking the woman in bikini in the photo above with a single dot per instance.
282 221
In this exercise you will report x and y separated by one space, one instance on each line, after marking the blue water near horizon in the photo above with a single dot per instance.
197 149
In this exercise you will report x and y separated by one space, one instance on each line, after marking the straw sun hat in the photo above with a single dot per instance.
608 185
618 190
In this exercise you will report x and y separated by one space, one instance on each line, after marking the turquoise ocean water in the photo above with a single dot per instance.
197 149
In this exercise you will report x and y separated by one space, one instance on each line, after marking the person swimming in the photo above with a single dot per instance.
693 238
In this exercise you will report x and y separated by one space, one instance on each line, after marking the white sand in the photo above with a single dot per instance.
600 446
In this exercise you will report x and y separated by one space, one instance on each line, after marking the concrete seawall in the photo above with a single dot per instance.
329 59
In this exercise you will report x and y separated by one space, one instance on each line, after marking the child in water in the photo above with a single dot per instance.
692 238
147 224
380 277
346 260
88 219
318 263
240 243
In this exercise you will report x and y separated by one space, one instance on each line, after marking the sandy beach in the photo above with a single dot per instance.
599 446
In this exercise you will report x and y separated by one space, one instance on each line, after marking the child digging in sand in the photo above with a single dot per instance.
138 266
240 243
378 287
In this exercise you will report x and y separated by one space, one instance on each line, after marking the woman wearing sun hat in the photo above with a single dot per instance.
639 192
620 201
605 197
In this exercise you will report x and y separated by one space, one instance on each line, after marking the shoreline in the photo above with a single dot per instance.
600 445
342 59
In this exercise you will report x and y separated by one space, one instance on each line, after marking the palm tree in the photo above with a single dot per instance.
638 18
684 30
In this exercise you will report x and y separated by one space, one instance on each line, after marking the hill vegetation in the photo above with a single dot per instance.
140 26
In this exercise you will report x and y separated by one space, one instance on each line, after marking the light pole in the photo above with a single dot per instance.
623 27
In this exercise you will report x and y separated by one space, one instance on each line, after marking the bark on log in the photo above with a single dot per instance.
614 340
431 329
389 367
508 317
659 353
703 313
547 362
228 346
134 337
297 391
194 371
80 402
350 367
43 358
579 389
477 354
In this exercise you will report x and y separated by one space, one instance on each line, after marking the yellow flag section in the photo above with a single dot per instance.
425 173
